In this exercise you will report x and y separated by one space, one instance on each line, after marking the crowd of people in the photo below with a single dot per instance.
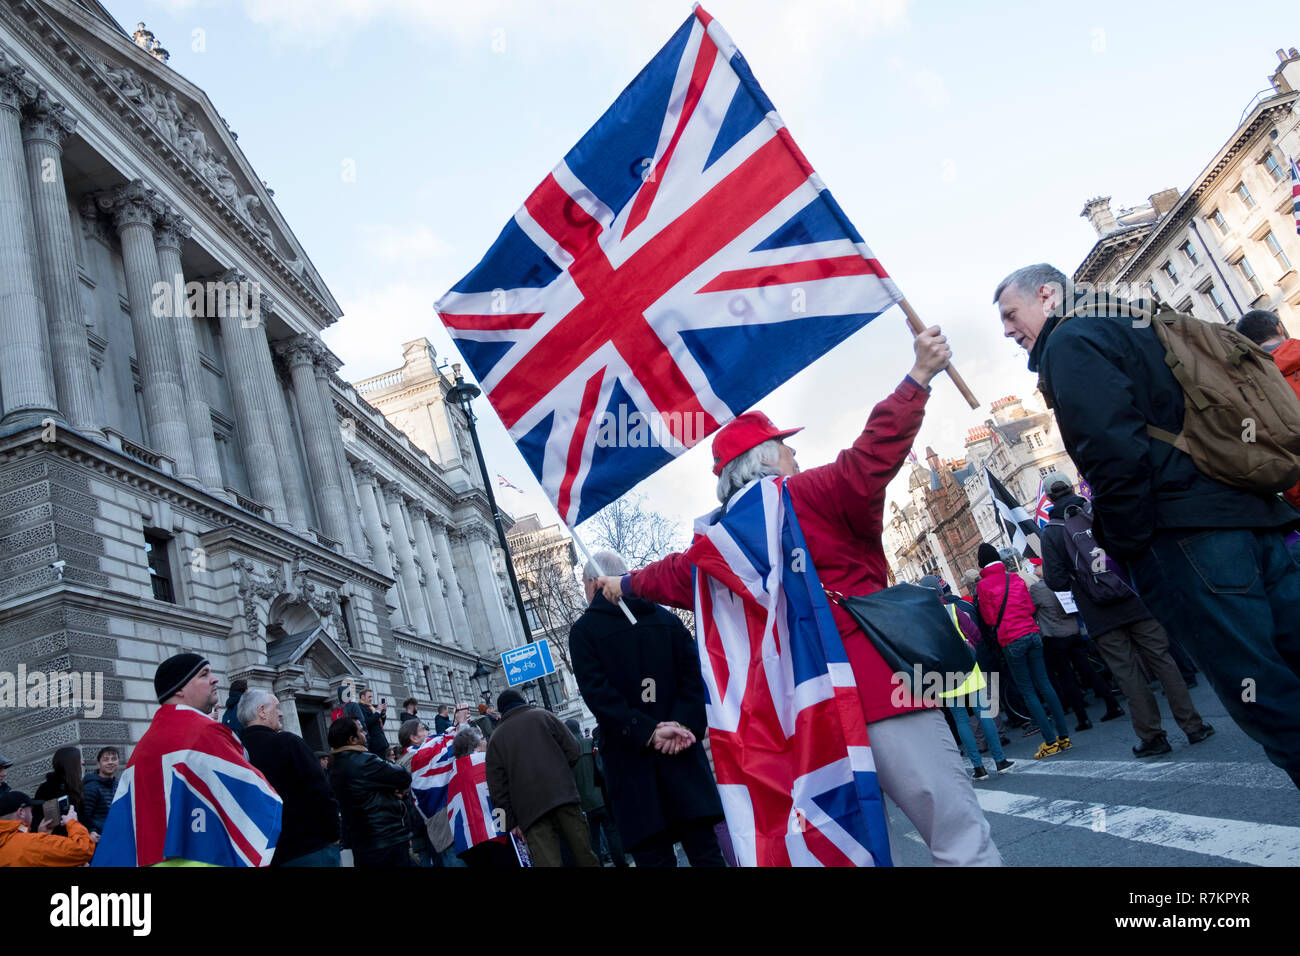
1172 566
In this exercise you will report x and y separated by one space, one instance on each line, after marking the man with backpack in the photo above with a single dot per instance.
1120 624
1201 530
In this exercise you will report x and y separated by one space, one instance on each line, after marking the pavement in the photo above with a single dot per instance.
1216 803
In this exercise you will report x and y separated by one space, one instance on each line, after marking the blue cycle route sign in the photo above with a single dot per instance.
528 662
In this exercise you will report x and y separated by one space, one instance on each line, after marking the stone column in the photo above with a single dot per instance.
171 231
277 419
301 353
46 127
134 208
456 605
366 485
402 544
432 580
26 379
240 338
490 590
326 365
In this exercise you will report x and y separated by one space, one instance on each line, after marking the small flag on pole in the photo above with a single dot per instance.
911 456
1015 520
503 483
1044 503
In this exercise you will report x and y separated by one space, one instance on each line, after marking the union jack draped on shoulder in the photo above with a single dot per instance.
190 793
786 726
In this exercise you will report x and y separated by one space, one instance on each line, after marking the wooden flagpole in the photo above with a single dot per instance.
917 326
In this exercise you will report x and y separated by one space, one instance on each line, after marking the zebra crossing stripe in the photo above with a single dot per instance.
1199 772
1258 844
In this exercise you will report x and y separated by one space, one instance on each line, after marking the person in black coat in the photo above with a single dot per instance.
369 791
1208 559
309 834
1125 633
63 781
99 786
643 684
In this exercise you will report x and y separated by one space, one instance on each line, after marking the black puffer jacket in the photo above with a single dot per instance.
1107 379
374 816
98 796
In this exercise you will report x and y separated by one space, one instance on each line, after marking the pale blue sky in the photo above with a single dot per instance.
961 139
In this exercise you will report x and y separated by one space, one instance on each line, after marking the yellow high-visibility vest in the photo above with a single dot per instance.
976 680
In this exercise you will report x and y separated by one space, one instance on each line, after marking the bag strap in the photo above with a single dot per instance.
1006 590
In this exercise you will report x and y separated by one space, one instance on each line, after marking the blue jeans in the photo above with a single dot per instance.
1233 599
325 856
962 717
1025 659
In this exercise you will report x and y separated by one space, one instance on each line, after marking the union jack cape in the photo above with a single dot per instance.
189 792
680 262
788 735
431 770
469 808
442 783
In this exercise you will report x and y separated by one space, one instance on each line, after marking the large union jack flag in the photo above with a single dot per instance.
680 262
469 808
431 770
189 792
786 727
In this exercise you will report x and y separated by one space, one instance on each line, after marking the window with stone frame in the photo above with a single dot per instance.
1247 200
1275 250
1220 223
1273 167
1248 273
1216 299
1190 253
157 551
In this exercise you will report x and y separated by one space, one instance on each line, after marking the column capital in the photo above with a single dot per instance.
392 490
16 87
298 351
365 472
416 509
131 204
45 119
171 230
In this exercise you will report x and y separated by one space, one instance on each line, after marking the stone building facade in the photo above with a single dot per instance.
180 465
550 583
1228 243
949 510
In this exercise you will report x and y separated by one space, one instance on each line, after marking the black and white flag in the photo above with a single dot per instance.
1016 521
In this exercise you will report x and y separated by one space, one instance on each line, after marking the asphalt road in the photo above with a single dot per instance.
1217 803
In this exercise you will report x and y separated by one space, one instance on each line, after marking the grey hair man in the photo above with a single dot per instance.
1208 560
310 820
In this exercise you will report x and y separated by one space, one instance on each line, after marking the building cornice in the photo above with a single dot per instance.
95 600
120 467
1264 115
47 41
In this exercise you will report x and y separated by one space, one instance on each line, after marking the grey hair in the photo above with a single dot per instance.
466 740
248 704
1030 279
603 564
759 462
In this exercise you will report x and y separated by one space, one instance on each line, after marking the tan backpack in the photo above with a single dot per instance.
1241 423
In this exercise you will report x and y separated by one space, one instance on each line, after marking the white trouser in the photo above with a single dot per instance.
920 768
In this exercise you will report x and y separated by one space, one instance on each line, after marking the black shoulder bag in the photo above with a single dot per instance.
909 627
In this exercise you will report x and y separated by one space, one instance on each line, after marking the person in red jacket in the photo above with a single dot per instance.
840 509
1006 606
1266 330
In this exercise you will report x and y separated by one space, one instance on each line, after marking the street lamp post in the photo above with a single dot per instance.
463 394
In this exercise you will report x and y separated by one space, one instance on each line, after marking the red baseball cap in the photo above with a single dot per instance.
743 433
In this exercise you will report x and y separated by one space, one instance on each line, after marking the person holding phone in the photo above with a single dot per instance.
63 781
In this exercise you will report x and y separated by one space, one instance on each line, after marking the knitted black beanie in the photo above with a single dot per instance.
175 672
